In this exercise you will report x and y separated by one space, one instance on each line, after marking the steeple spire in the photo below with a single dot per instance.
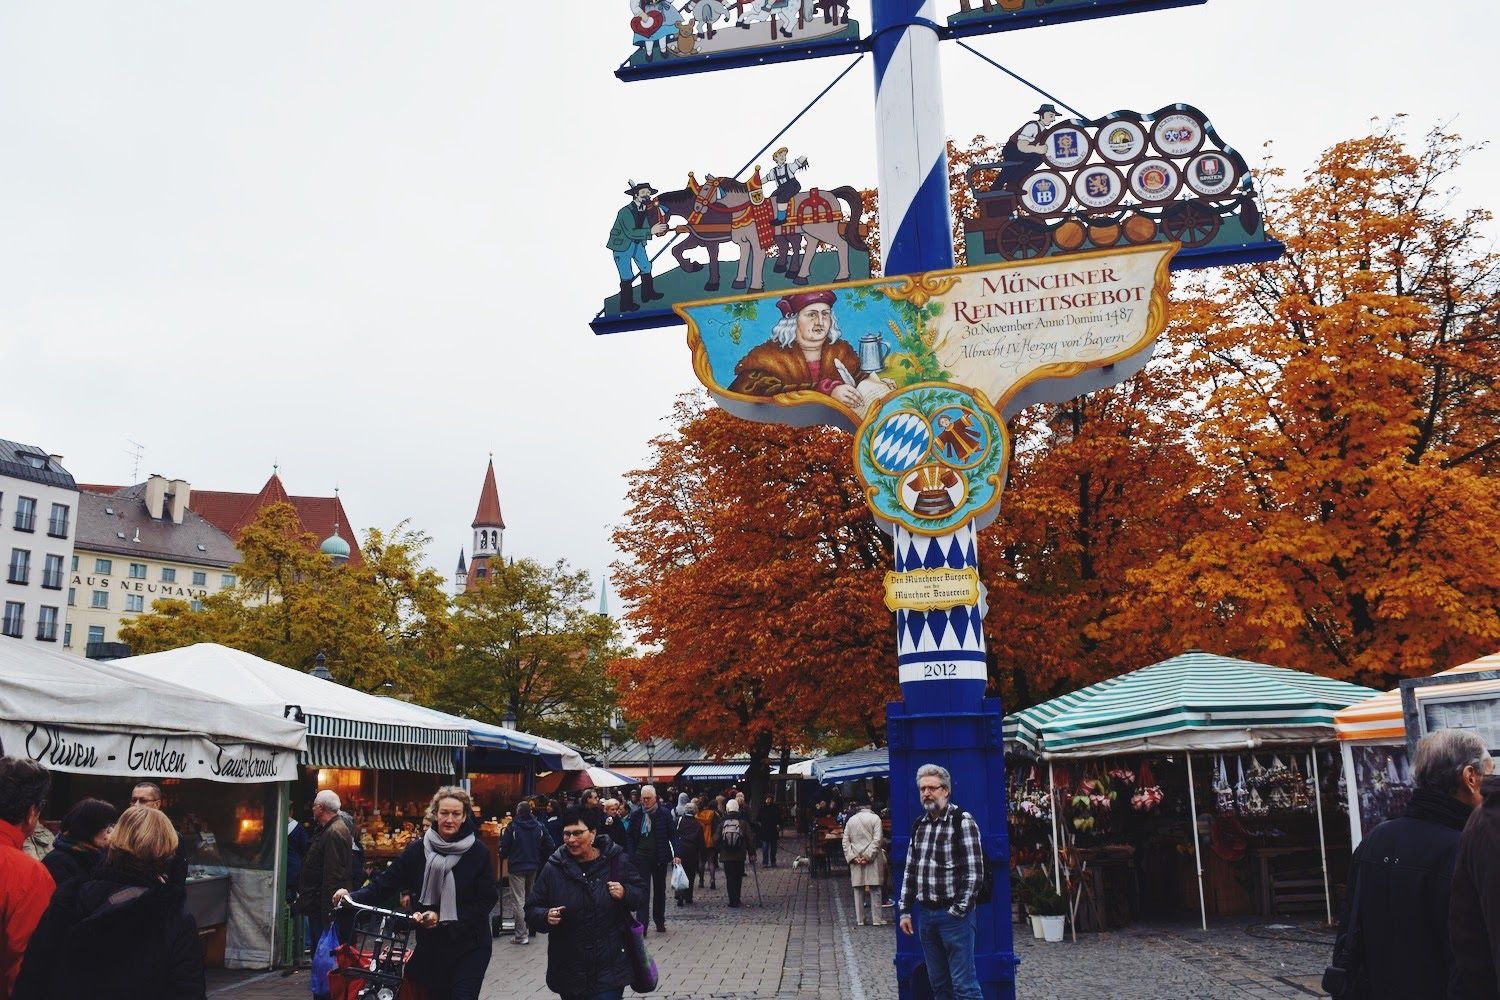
489 530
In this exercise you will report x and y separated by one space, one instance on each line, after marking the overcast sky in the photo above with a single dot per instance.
364 240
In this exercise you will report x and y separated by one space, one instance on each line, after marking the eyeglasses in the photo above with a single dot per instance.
143 801
575 834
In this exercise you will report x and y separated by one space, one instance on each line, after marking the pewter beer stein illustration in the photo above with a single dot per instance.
872 353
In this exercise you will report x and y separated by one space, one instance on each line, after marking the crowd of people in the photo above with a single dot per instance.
99 910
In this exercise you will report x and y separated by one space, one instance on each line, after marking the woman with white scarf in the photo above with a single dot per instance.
447 881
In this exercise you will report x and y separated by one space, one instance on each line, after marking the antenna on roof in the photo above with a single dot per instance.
135 453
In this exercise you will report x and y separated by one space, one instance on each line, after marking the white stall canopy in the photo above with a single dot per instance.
345 727
87 717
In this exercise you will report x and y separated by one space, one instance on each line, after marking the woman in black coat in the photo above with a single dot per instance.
81 840
583 900
450 881
122 932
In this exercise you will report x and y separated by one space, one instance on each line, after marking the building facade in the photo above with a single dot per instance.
38 525
136 545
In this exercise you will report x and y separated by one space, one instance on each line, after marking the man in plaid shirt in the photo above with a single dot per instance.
944 868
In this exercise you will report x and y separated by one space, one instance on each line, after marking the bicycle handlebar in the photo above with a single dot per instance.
349 902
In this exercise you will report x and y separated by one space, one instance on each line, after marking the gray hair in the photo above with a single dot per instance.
785 330
328 799
1438 764
648 788
935 771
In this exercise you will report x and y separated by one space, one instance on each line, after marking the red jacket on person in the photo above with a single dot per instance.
25 889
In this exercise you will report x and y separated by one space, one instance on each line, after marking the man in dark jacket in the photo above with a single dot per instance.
525 845
1393 941
768 826
651 842
325 870
1474 909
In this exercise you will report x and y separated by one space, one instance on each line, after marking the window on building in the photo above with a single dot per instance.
168 575
72 596
104 566
138 571
135 602
100 599
75 565
197 604
20 565
25 514
52 573
57 524
227 580
14 621
200 579
96 634
68 634
46 624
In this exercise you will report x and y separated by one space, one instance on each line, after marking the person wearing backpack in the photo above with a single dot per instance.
942 882
735 840
525 845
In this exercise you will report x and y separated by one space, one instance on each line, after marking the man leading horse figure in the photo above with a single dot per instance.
635 224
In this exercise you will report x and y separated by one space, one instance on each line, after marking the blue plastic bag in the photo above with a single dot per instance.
323 961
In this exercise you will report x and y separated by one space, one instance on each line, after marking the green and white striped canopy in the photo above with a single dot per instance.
1196 701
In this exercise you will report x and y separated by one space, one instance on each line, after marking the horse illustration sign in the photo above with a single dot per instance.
774 232
926 367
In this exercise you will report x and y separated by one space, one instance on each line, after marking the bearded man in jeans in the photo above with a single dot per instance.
940 886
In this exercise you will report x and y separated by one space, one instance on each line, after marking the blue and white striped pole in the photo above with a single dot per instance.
943 716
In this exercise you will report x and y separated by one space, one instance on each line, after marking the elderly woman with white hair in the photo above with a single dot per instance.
806 353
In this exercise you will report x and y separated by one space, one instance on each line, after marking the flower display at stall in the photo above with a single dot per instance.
1148 796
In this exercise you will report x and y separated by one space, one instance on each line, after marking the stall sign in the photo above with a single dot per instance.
140 755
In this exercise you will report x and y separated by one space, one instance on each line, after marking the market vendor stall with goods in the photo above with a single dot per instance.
1199 783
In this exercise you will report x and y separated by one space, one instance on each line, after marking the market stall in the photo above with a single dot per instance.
1245 738
1372 739
223 769
369 750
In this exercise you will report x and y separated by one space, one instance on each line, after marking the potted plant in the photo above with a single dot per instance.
1052 911
1033 886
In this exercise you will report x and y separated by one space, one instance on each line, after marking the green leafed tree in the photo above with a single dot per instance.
525 642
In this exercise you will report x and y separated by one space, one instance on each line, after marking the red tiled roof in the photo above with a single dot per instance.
488 515
232 513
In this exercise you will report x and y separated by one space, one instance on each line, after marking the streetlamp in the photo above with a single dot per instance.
508 720
606 741
320 666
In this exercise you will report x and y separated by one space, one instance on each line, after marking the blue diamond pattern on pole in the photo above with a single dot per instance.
958 618
935 558
913 558
937 622
955 554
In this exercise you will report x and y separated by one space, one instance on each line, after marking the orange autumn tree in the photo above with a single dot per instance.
1350 435
753 578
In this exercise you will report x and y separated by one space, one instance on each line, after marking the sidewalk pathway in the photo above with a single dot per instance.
795 939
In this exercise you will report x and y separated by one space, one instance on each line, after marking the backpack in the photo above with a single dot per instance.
731 835
986 870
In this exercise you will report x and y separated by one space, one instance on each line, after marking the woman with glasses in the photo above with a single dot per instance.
583 900
450 880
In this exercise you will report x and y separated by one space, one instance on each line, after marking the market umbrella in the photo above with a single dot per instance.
577 781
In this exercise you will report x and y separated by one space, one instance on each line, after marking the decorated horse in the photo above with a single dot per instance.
720 210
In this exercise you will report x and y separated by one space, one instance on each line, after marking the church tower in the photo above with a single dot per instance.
489 532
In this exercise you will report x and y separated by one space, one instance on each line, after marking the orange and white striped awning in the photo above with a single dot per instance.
1379 718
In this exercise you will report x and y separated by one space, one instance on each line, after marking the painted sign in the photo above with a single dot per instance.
85 751
1067 185
776 230
983 16
933 589
673 36
1016 333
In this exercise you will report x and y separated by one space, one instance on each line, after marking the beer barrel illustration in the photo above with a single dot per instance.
1139 228
1104 231
1070 234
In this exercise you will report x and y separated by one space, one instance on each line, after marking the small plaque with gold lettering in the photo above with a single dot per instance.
932 589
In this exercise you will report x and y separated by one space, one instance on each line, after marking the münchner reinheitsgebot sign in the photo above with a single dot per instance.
144 755
925 368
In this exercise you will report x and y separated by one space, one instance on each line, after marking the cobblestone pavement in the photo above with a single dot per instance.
795 940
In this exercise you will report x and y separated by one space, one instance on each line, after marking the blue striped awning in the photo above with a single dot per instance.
852 766
713 772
